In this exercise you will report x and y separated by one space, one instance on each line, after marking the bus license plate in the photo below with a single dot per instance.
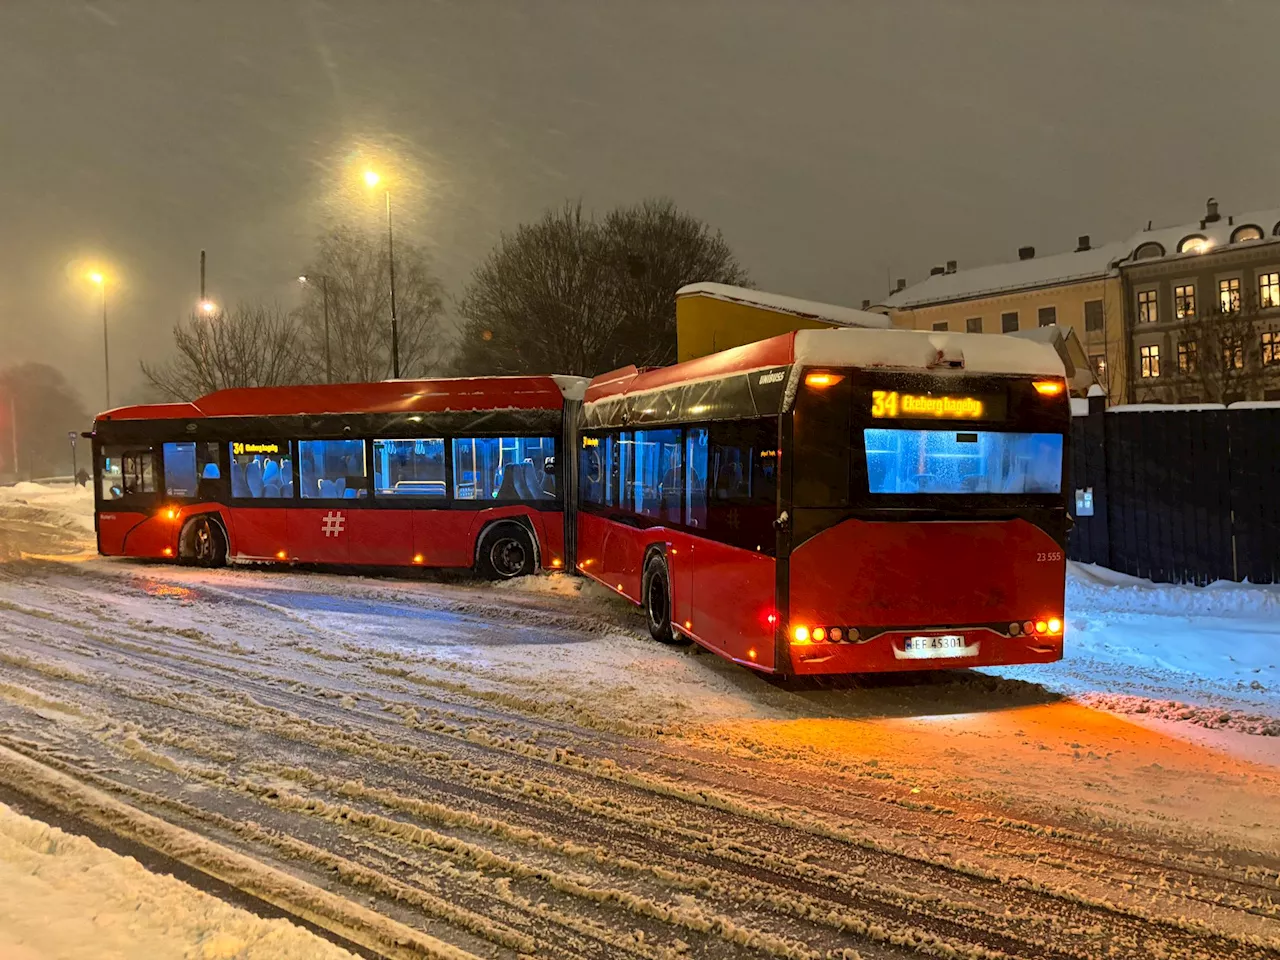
936 648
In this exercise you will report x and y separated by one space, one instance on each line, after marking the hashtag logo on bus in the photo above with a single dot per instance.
332 524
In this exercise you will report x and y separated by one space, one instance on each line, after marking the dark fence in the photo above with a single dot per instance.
1178 494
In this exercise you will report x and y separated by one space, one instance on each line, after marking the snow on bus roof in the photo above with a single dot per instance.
927 350
808 309
388 396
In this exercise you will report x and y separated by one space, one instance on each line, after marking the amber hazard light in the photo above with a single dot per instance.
1048 388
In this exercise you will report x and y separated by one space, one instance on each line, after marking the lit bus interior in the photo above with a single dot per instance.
962 461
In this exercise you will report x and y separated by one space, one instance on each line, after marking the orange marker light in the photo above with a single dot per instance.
688 624
821 380
1041 626
800 635
281 555
417 558
819 634
1048 388
1055 625
752 653
171 513
167 551
557 562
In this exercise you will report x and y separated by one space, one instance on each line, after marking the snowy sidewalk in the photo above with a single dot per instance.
66 898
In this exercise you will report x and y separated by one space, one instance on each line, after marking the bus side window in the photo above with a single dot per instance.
695 478
127 473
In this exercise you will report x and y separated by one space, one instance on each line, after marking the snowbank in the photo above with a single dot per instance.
66 898
65 505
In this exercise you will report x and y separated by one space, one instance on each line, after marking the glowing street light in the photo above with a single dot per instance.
324 295
371 180
208 307
99 278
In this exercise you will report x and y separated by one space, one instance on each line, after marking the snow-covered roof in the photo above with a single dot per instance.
1059 268
1218 233
809 309
926 350
1077 266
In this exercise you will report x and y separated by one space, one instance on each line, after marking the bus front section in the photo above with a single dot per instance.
926 520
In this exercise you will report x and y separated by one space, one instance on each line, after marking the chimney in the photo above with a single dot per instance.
1082 243
1211 214
937 271
866 304
901 285
951 266
1026 253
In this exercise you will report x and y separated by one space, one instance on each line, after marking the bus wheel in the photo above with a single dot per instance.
206 543
656 590
506 552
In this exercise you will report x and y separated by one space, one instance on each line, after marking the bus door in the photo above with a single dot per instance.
259 498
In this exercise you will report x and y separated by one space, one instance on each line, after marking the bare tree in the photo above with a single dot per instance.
656 249
1221 357
350 267
568 294
248 346
38 408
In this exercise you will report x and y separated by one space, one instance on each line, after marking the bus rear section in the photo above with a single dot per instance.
431 473
926 515
836 501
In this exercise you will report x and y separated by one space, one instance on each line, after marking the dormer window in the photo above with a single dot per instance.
1151 250
1193 244
1245 233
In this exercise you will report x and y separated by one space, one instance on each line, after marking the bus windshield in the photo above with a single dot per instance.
962 461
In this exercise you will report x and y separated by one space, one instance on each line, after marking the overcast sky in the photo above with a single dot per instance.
834 143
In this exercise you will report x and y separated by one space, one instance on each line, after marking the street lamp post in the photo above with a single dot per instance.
324 296
101 281
371 179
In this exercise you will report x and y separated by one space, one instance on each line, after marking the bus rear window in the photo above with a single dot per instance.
962 461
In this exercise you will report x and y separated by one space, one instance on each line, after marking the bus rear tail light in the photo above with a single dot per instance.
1042 626
1055 626
819 635
836 634
1015 628
822 380
800 635
1049 388
1029 627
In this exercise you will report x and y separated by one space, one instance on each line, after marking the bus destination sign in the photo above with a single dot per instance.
893 404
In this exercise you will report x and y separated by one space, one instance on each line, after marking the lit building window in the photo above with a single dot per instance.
1184 301
1268 290
1099 363
1229 295
1187 356
1148 312
1193 245
1271 347
1233 353
1247 232
1048 316
1150 361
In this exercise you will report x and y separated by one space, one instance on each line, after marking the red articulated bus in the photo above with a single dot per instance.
433 473
836 501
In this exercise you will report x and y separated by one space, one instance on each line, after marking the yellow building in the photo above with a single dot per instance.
1080 290
711 317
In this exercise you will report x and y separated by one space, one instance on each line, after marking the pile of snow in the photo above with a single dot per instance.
62 505
66 897
1209 655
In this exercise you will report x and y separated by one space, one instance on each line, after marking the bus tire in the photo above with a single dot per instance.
656 592
203 542
506 552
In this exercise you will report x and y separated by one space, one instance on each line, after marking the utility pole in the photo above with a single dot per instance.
201 276
13 430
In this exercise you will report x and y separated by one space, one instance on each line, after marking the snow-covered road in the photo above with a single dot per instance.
519 770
